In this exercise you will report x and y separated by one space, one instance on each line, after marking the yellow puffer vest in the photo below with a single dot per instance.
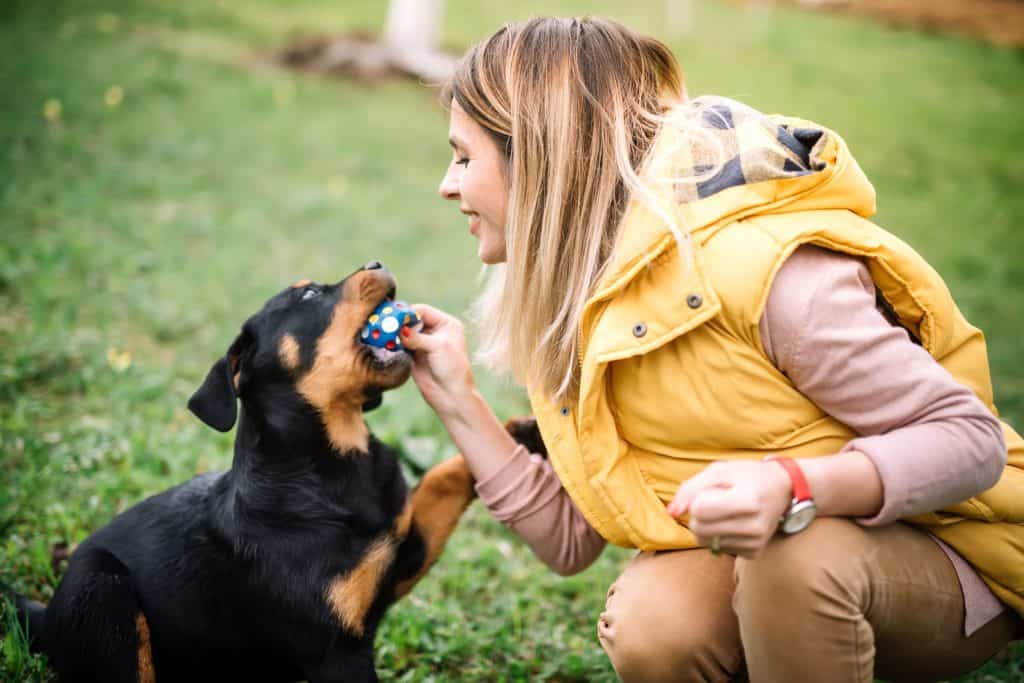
674 375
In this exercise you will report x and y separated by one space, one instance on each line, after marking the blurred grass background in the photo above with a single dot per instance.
159 179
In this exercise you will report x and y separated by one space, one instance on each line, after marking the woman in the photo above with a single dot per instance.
714 339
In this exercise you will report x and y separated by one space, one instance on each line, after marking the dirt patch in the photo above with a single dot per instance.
996 21
364 58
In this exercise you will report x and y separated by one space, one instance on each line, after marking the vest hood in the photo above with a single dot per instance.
716 161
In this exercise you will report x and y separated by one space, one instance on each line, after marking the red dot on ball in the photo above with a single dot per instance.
376 334
390 345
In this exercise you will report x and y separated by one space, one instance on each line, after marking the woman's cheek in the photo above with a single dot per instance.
466 187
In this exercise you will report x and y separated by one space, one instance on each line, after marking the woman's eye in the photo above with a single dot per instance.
309 293
464 161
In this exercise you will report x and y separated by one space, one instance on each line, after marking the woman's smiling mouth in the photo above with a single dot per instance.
474 222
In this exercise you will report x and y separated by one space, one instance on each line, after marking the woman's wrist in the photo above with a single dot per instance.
479 434
844 485
468 408
457 399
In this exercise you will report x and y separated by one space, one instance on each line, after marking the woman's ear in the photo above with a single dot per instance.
215 402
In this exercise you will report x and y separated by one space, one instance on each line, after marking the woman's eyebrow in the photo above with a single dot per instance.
456 142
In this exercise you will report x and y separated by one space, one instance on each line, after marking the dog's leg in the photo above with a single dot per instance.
433 510
95 629
525 431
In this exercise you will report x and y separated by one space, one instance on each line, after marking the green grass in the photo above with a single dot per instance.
136 235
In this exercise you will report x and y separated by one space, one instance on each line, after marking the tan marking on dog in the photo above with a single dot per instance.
346 429
144 650
351 595
236 371
437 504
402 523
288 352
336 384
302 283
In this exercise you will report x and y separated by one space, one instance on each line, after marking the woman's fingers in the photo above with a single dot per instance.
441 367
418 340
715 504
711 477
431 317
733 502
741 527
728 514
427 336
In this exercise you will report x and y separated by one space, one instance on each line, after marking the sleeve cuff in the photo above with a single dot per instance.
524 484
895 494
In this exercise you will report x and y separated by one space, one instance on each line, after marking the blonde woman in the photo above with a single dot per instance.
775 400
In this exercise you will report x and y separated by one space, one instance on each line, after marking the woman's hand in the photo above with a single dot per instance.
738 501
441 367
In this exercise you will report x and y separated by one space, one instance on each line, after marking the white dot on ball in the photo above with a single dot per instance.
366 333
389 325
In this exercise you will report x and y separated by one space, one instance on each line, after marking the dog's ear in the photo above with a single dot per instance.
373 401
215 402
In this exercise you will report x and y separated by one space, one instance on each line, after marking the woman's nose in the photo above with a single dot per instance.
449 188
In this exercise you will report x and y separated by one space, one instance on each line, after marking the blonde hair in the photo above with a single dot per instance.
575 105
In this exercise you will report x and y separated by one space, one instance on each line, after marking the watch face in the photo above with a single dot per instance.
799 517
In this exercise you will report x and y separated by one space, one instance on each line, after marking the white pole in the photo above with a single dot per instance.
414 25
413 38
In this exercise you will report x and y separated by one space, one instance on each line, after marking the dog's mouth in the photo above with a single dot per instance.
380 358
385 359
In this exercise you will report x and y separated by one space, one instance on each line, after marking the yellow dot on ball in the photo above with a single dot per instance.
386 310
374 318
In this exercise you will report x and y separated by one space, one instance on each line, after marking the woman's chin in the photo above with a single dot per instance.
490 257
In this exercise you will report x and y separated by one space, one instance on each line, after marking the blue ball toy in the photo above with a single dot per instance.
383 326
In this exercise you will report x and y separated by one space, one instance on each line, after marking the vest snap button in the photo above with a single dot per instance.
639 330
694 300
564 411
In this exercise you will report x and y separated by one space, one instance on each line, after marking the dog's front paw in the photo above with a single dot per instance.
450 479
525 431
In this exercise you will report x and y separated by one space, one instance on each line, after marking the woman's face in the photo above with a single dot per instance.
476 179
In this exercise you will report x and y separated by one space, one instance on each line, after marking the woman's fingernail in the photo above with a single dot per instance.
406 331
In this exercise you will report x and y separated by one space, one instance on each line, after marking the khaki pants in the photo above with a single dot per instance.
836 602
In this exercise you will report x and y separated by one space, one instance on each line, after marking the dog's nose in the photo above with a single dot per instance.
373 265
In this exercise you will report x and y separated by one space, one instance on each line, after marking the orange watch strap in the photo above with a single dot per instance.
801 490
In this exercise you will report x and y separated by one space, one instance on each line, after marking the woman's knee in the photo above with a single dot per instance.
668 618
823 565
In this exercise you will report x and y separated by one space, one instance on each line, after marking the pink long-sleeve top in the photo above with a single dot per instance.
931 439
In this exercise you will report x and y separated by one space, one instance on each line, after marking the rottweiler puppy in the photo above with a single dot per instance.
281 568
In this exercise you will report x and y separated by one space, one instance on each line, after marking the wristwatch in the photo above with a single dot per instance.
801 511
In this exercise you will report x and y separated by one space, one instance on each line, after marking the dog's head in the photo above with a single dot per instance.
304 342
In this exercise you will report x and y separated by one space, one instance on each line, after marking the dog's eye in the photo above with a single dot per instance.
309 293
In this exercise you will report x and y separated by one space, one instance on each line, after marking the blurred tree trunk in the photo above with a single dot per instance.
410 46
414 24
413 37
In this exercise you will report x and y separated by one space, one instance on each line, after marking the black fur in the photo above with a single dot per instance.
525 431
230 570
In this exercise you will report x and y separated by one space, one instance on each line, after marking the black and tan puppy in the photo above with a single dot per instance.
281 568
